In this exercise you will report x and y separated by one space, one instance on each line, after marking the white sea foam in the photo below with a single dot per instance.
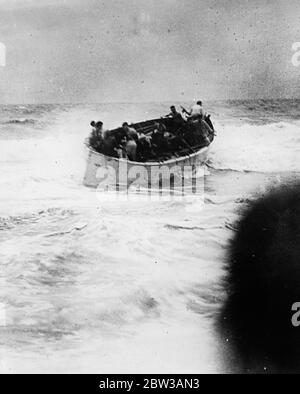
264 148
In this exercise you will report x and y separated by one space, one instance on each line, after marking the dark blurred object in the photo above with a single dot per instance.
263 282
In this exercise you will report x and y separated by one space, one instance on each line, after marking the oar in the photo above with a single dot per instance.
184 110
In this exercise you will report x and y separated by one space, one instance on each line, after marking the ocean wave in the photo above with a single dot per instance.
20 121
211 166
10 222
256 148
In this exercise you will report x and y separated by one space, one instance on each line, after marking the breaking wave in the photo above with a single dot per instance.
273 147
20 121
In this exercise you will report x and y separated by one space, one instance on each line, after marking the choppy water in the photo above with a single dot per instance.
88 286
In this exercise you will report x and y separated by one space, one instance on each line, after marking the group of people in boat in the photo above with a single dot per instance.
168 135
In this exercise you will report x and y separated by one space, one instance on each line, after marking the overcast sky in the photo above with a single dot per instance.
147 50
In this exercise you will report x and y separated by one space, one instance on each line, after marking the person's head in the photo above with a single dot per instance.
199 102
99 125
156 126
173 109
125 126
93 123
161 127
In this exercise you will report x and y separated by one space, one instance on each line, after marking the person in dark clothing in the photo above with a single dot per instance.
177 119
143 152
110 145
159 140
190 134
121 141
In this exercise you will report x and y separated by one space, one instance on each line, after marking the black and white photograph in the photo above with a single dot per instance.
149 189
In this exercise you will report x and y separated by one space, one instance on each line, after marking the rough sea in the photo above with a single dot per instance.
128 287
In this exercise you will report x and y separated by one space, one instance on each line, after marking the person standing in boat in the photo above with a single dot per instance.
93 124
96 137
196 112
100 129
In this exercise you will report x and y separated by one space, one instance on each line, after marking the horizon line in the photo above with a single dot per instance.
153 102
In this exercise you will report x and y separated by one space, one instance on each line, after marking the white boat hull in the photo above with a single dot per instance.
102 169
